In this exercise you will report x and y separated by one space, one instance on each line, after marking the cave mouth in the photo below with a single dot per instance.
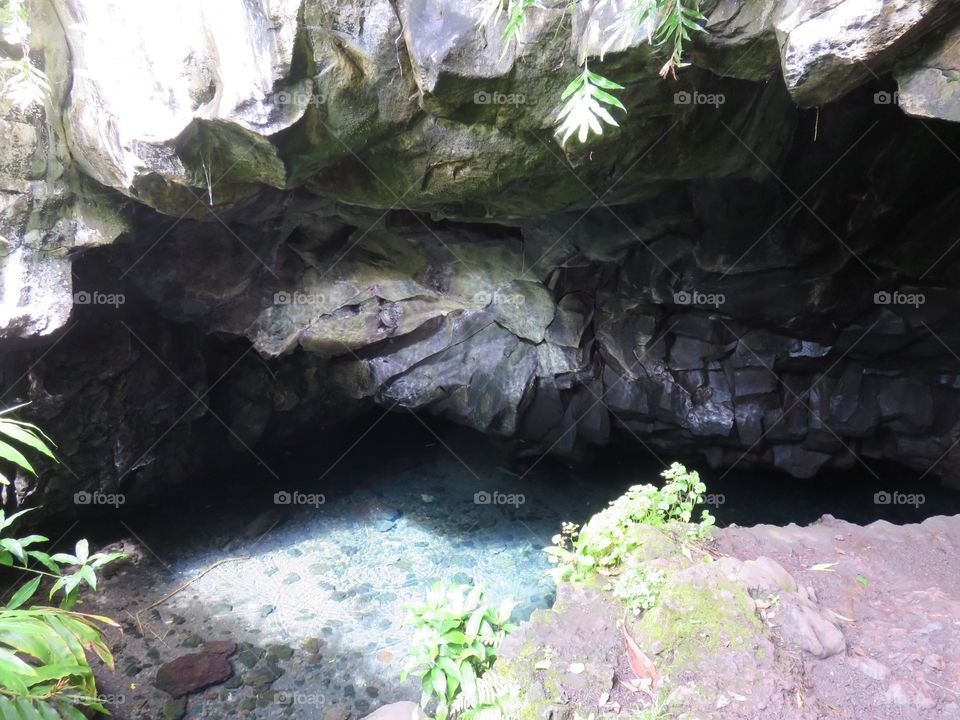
322 549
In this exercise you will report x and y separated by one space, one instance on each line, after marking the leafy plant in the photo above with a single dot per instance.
25 434
23 83
516 11
639 587
584 109
44 671
457 635
668 23
610 535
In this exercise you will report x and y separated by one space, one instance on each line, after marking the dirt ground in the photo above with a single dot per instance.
895 594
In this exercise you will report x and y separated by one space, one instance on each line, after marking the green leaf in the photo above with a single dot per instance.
24 435
24 593
9 452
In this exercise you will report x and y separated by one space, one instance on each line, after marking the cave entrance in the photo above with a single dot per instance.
315 557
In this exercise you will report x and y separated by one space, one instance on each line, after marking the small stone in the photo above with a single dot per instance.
189 673
233 683
249 655
372 691
362 705
339 712
385 656
221 647
153 653
267 611
263 674
280 652
192 641
175 709
291 579
312 645
221 609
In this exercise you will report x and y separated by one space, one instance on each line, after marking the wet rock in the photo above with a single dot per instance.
221 647
263 674
189 673
175 709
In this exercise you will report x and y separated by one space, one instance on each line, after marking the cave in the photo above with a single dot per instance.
308 308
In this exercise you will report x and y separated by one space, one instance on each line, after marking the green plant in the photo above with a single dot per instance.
668 23
639 587
23 83
457 635
610 535
44 671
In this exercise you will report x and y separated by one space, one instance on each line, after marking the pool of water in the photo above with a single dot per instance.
324 552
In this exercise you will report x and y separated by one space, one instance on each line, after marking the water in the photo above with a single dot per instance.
355 538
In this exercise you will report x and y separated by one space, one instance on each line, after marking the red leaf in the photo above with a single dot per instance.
641 665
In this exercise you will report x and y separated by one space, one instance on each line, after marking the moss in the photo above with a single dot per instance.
700 613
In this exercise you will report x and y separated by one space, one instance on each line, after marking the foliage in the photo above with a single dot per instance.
23 83
457 635
667 23
639 587
516 11
25 434
44 671
610 535
583 110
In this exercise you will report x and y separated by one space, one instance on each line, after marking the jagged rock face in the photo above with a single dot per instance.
315 208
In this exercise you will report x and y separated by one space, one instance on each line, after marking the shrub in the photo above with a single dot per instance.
457 635
610 535
44 671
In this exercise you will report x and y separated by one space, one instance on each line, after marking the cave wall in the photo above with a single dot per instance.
242 237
